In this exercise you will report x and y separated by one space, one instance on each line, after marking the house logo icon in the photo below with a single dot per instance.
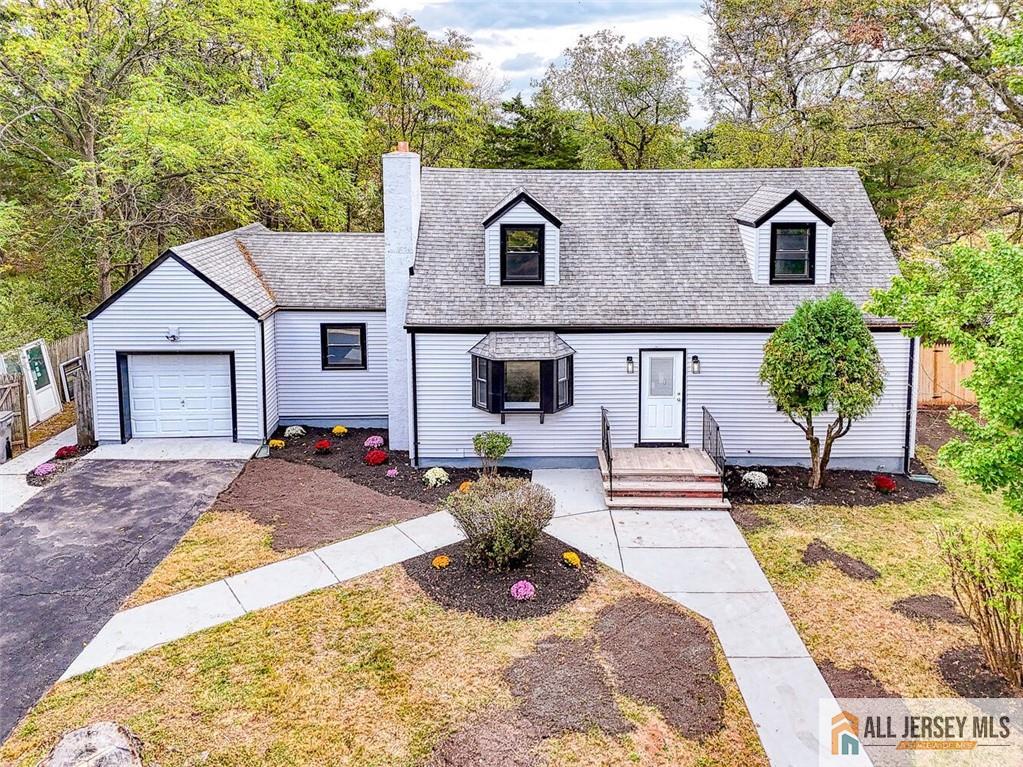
845 728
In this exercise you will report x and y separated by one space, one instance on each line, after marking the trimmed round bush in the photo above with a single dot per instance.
755 480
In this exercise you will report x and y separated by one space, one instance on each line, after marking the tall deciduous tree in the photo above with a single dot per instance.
632 99
823 360
972 298
535 135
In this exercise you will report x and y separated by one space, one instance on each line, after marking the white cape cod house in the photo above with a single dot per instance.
523 301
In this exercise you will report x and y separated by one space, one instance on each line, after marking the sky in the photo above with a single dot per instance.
518 39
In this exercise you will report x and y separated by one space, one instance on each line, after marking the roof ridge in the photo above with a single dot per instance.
220 235
251 262
650 171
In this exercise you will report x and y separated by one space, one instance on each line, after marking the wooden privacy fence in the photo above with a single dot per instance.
13 397
941 378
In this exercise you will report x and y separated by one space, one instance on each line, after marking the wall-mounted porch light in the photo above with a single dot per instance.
172 334
630 367
696 364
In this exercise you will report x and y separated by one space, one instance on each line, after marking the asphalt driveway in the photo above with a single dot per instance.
71 555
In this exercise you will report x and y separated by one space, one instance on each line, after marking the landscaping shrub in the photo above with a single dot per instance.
522 590
322 447
374 442
376 457
68 451
987 579
755 480
276 444
884 484
436 477
501 519
491 447
294 431
339 430
44 469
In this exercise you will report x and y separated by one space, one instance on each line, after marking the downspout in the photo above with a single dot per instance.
262 354
415 404
910 406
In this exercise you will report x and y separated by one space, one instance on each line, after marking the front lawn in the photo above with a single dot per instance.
375 672
847 621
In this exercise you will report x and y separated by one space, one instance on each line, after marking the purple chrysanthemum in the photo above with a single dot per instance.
523 590
374 441
44 469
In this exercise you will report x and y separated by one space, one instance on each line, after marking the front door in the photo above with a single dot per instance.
661 399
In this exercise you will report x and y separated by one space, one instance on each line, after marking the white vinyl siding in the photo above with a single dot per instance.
270 350
305 390
172 296
727 385
522 213
748 235
794 212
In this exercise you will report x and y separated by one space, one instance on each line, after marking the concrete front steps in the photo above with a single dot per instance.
662 478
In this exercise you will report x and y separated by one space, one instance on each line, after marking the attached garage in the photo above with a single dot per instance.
178 395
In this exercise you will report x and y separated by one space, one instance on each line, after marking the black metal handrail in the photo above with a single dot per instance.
713 445
605 446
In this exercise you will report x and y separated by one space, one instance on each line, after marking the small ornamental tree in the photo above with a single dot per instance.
491 447
823 360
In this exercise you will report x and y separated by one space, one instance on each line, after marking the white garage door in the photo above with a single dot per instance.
180 395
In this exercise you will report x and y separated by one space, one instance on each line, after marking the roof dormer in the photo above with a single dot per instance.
786 237
522 241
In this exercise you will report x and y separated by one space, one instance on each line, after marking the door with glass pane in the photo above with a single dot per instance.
662 390
42 391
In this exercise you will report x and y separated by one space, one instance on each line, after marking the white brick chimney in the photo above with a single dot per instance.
401 231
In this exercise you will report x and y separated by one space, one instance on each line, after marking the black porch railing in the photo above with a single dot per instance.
605 446
713 445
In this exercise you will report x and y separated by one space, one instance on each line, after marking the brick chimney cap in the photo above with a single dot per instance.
402 146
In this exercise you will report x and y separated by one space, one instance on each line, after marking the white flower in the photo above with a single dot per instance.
294 431
436 476
755 480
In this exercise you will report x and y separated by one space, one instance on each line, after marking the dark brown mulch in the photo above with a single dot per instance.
965 671
562 688
346 459
665 658
495 737
855 682
818 551
930 607
747 519
932 429
309 507
461 586
63 464
843 488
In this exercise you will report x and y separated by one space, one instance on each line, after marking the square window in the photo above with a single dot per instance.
522 254
522 385
343 347
792 252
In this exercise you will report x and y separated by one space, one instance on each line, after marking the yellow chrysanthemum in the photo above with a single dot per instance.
572 559
441 561
276 443
339 431
465 487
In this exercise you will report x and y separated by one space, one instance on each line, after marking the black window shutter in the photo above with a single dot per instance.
495 398
548 386
571 382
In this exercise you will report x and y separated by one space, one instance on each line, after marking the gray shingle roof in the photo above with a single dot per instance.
308 270
522 345
761 201
638 248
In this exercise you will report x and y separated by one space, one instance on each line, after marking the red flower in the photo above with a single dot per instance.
884 483
323 446
376 457
68 451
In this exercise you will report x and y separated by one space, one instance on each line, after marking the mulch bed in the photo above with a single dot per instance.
965 671
855 682
562 688
463 587
346 459
818 551
666 659
932 429
842 488
495 737
63 464
930 607
310 507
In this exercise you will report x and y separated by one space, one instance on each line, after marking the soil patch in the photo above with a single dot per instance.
460 586
309 507
346 459
965 671
747 519
562 688
818 551
665 658
930 607
855 682
496 737
843 488
932 429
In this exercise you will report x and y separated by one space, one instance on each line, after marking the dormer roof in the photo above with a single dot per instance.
513 198
768 200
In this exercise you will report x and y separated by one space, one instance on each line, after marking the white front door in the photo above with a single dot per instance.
661 405
180 395
43 399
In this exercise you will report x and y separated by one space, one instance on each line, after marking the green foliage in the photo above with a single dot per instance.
987 578
537 135
972 298
491 447
502 518
823 359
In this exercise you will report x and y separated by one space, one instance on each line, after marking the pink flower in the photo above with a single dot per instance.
392 473
373 442
44 469
523 590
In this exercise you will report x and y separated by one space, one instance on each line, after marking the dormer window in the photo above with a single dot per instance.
792 252
522 254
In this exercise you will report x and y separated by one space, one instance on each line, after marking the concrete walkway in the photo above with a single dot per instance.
180 449
14 488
